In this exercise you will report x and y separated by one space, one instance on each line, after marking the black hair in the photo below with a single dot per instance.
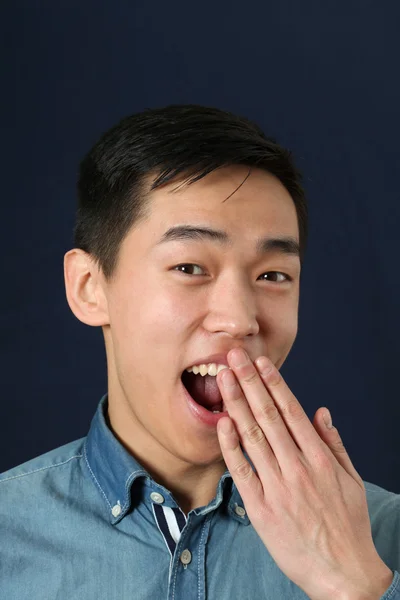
158 146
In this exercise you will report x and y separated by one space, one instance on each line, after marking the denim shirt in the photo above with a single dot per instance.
88 521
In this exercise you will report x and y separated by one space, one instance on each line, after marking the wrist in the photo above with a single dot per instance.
373 589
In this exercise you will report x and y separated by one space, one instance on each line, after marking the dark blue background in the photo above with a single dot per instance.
320 76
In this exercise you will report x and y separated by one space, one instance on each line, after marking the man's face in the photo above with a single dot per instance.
163 318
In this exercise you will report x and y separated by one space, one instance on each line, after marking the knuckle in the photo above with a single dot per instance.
254 434
250 378
268 413
237 394
300 470
322 460
274 377
287 495
243 470
263 513
338 446
293 412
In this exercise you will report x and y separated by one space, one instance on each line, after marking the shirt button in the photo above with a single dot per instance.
116 510
158 498
239 510
186 557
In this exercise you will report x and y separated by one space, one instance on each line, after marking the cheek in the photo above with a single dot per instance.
284 337
153 319
285 332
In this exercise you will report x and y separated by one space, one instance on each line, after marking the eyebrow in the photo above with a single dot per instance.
265 245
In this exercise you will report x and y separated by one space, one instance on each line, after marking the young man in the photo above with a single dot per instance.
189 241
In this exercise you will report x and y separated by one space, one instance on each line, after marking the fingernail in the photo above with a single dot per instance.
238 357
228 378
327 419
264 365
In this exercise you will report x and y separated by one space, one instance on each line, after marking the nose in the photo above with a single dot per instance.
232 309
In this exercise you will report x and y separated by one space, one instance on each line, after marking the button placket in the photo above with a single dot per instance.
186 558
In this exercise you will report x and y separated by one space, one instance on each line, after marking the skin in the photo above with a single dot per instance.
306 500
156 320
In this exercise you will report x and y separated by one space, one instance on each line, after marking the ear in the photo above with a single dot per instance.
85 288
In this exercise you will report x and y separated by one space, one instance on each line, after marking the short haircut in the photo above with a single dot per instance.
156 146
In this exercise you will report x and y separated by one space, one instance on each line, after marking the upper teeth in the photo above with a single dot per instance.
210 369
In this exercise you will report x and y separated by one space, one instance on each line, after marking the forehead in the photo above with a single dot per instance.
249 208
236 198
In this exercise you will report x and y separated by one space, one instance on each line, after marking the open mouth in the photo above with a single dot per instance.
204 391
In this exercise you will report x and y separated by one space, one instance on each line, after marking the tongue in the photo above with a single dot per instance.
205 391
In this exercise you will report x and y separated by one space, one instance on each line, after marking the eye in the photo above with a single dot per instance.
185 268
276 273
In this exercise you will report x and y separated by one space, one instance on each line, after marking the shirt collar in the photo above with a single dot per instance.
114 470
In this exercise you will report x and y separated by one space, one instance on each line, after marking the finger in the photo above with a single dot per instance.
247 482
250 433
332 439
263 413
293 414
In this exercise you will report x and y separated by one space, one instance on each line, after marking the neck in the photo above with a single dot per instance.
192 485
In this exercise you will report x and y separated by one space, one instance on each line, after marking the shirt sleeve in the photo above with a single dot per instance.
393 593
384 510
